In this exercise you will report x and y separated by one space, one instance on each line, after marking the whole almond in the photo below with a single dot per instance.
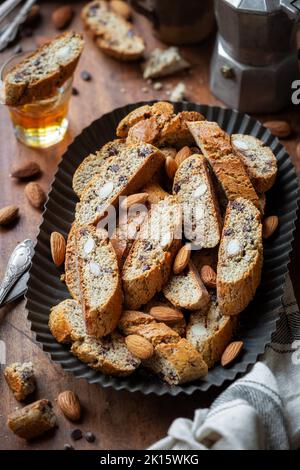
208 276
169 152
139 346
69 404
280 129
28 170
121 8
8 214
35 195
182 259
171 167
138 198
62 16
165 314
231 352
184 153
58 248
270 224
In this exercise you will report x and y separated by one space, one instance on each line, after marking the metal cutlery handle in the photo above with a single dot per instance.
7 7
18 263
10 33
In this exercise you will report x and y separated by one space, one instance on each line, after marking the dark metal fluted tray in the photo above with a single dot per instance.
258 321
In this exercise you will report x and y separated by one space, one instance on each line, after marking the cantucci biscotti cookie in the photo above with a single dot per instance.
133 318
91 165
259 160
101 294
229 169
20 379
113 34
186 290
155 192
66 321
240 257
40 74
210 332
71 265
148 265
201 215
122 174
162 111
108 355
155 332
175 132
177 363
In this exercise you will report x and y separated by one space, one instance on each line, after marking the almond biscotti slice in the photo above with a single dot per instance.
259 160
240 257
71 265
194 189
210 332
177 363
230 171
130 319
91 165
40 74
99 280
155 332
108 355
66 321
186 290
122 174
113 34
148 265
175 132
162 111
155 192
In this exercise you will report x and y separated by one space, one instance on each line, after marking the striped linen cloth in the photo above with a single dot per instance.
260 411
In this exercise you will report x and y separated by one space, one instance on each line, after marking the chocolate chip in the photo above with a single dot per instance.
228 231
112 151
75 92
76 434
146 267
90 437
93 10
144 152
113 168
237 206
68 447
122 179
130 33
18 49
148 246
176 188
246 228
86 76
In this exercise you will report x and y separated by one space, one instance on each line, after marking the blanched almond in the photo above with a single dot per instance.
182 259
165 314
139 346
231 352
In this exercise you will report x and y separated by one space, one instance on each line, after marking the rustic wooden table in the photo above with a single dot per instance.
120 420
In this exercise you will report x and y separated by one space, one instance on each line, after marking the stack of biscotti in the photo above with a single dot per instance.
113 34
43 71
178 294
108 355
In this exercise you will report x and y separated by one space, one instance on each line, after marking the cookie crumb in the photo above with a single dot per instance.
178 92
158 86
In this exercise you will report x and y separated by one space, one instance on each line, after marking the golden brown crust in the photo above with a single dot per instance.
17 94
154 332
155 192
71 265
60 321
132 318
20 379
33 420
176 133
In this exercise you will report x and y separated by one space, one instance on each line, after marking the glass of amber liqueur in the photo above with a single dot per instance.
44 122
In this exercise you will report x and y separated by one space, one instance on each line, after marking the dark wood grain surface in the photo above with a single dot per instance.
120 420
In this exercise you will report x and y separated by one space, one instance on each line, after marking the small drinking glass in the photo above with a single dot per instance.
43 122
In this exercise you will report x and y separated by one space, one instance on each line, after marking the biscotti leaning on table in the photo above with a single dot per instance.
112 33
40 74
185 256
